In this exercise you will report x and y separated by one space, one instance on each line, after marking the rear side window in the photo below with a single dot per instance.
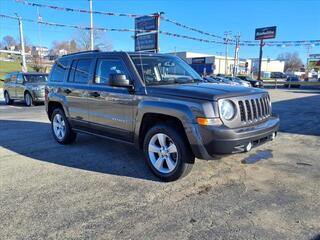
59 71
82 72
105 67
7 78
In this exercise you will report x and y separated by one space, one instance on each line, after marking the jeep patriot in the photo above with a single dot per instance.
158 103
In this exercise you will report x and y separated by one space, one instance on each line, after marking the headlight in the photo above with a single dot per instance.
36 88
227 109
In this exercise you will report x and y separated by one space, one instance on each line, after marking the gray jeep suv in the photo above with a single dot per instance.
24 86
159 104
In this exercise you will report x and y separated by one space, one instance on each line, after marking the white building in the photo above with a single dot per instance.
55 53
38 51
267 65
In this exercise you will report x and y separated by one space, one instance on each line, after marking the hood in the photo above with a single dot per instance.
205 91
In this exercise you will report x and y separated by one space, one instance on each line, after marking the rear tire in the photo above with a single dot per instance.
7 99
167 152
60 127
28 100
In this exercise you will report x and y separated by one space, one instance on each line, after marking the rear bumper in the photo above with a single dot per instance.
210 141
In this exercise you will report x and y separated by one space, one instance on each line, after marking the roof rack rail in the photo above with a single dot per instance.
88 51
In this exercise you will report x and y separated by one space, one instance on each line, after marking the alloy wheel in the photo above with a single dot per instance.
163 153
59 126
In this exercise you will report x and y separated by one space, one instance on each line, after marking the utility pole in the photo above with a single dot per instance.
23 55
236 55
226 41
307 65
260 59
91 27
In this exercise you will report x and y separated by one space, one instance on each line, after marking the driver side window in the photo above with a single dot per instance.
105 67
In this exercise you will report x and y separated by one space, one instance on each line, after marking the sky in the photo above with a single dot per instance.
295 20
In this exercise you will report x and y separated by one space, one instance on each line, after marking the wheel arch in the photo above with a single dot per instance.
152 113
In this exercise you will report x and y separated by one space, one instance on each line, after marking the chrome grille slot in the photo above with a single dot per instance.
242 111
259 108
248 108
254 109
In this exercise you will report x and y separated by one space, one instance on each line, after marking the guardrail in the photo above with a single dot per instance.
277 83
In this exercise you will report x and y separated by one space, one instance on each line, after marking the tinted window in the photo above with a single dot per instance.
59 71
72 71
81 74
13 78
36 78
105 67
7 78
20 79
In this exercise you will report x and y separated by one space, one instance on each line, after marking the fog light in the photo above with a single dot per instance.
248 147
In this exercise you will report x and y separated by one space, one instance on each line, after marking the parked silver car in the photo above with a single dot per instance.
239 81
29 87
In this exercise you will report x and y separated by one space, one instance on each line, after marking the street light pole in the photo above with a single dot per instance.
260 59
23 55
226 41
91 27
236 55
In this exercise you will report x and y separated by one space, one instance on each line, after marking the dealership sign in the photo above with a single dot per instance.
147 42
265 33
198 60
146 36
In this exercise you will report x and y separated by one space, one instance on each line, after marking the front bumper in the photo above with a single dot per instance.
209 141
38 96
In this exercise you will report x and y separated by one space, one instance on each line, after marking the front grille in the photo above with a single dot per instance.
254 109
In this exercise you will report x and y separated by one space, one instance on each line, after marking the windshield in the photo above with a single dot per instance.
36 78
157 70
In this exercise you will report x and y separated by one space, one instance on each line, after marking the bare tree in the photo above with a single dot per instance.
37 65
82 40
9 41
292 61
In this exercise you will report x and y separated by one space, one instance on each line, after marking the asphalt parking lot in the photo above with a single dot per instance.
99 189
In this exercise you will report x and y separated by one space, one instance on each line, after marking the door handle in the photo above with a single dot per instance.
94 94
67 91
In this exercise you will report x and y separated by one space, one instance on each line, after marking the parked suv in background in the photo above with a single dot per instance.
159 104
24 86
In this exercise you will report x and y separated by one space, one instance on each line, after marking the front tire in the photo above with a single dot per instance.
61 129
28 100
167 152
7 99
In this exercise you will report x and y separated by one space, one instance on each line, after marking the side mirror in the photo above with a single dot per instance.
119 80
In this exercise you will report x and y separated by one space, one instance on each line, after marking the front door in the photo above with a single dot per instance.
20 86
110 108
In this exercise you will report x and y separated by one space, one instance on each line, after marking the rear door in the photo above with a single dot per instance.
75 91
12 86
110 108
8 85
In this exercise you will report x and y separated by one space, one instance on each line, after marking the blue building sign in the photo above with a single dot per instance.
147 42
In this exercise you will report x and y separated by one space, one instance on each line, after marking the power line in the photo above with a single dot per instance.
279 44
